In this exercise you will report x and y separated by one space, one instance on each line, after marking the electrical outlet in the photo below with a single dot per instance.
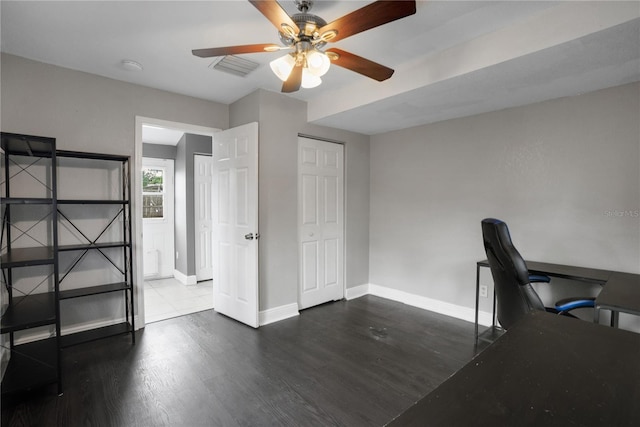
484 291
177 255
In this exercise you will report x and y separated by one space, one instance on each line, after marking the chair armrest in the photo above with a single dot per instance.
569 304
537 278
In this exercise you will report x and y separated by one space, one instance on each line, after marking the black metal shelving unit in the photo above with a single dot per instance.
36 363
34 360
95 244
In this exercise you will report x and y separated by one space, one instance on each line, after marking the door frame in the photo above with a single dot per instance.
138 250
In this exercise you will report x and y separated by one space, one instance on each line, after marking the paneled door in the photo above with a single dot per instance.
235 223
202 166
320 221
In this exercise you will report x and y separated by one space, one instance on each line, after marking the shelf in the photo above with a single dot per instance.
25 257
95 334
26 201
93 156
94 290
122 202
92 202
81 247
37 363
25 145
32 365
29 312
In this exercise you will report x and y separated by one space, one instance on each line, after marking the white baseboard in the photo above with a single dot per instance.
278 313
441 307
184 279
356 292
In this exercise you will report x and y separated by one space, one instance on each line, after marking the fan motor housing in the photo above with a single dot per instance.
308 25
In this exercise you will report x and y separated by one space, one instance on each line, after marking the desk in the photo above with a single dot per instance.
622 293
547 370
591 275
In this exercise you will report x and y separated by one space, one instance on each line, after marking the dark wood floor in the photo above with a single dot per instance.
355 363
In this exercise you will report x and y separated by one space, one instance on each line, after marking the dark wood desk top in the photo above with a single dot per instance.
565 271
547 370
622 293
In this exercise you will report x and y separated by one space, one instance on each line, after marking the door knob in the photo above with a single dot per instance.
249 236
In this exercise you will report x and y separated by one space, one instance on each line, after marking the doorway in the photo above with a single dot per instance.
320 221
164 296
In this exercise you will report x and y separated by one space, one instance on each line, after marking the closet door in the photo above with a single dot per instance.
320 221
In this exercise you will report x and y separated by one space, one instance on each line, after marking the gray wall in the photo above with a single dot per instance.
560 173
187 147
281 119
92 113
86 112
159 151
563 174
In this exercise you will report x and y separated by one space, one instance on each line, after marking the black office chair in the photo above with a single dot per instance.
512 280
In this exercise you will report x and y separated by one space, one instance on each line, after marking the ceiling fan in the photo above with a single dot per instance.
306 34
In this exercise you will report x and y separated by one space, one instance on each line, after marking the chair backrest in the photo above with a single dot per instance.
515 295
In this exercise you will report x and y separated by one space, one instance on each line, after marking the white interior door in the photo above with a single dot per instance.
158 218
235 223
202 209
320 221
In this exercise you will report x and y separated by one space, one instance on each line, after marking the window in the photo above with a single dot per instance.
153 192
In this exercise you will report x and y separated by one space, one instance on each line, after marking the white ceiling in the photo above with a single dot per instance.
452 58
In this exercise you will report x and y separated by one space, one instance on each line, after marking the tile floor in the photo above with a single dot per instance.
167 298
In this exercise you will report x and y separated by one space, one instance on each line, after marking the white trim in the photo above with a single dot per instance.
137 199
437 306
278 313
184 279
453 310
356 292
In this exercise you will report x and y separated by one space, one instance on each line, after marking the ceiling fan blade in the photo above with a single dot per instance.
294 81
274 13
373 15
361 65
234 50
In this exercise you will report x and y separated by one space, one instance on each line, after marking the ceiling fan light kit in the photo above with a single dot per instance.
283 66
306 34
315 64
309 81
318 63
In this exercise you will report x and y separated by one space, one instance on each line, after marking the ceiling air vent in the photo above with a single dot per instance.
234 65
